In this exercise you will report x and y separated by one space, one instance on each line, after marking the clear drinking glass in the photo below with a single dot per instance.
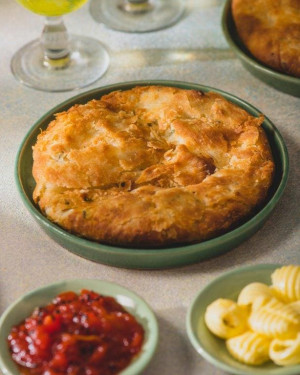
137 15
58 61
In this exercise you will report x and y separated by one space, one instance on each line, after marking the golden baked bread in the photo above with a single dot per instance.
151 167
270 29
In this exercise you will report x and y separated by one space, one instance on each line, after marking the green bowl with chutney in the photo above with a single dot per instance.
280 81
149 258
134 304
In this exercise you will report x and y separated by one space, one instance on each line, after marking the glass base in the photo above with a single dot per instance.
89 60
160 14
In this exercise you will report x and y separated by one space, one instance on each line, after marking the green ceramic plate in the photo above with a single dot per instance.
24 306
212 348
282 82
150 258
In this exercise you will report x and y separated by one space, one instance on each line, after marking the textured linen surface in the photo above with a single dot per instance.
193 50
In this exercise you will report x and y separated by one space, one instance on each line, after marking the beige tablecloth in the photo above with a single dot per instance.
193 50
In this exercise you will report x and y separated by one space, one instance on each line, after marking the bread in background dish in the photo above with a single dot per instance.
270 30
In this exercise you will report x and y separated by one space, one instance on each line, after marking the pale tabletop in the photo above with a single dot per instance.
193 50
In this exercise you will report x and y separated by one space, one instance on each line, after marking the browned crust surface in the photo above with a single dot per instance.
270 29
151 167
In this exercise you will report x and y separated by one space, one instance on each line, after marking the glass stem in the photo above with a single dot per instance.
136 6
55 44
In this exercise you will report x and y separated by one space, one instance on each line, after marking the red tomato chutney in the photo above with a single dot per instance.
85 334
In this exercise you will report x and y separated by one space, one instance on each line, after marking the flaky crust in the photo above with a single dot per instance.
270 29
151 167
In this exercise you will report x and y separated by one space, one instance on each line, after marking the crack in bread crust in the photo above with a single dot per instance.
152 166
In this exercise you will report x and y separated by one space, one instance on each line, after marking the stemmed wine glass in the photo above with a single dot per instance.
57 61
137 15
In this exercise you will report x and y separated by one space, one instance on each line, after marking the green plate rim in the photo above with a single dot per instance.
188 249
246 56
138 365
255 370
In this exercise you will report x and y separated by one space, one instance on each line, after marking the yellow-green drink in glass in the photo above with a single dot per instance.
58 61
52 8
